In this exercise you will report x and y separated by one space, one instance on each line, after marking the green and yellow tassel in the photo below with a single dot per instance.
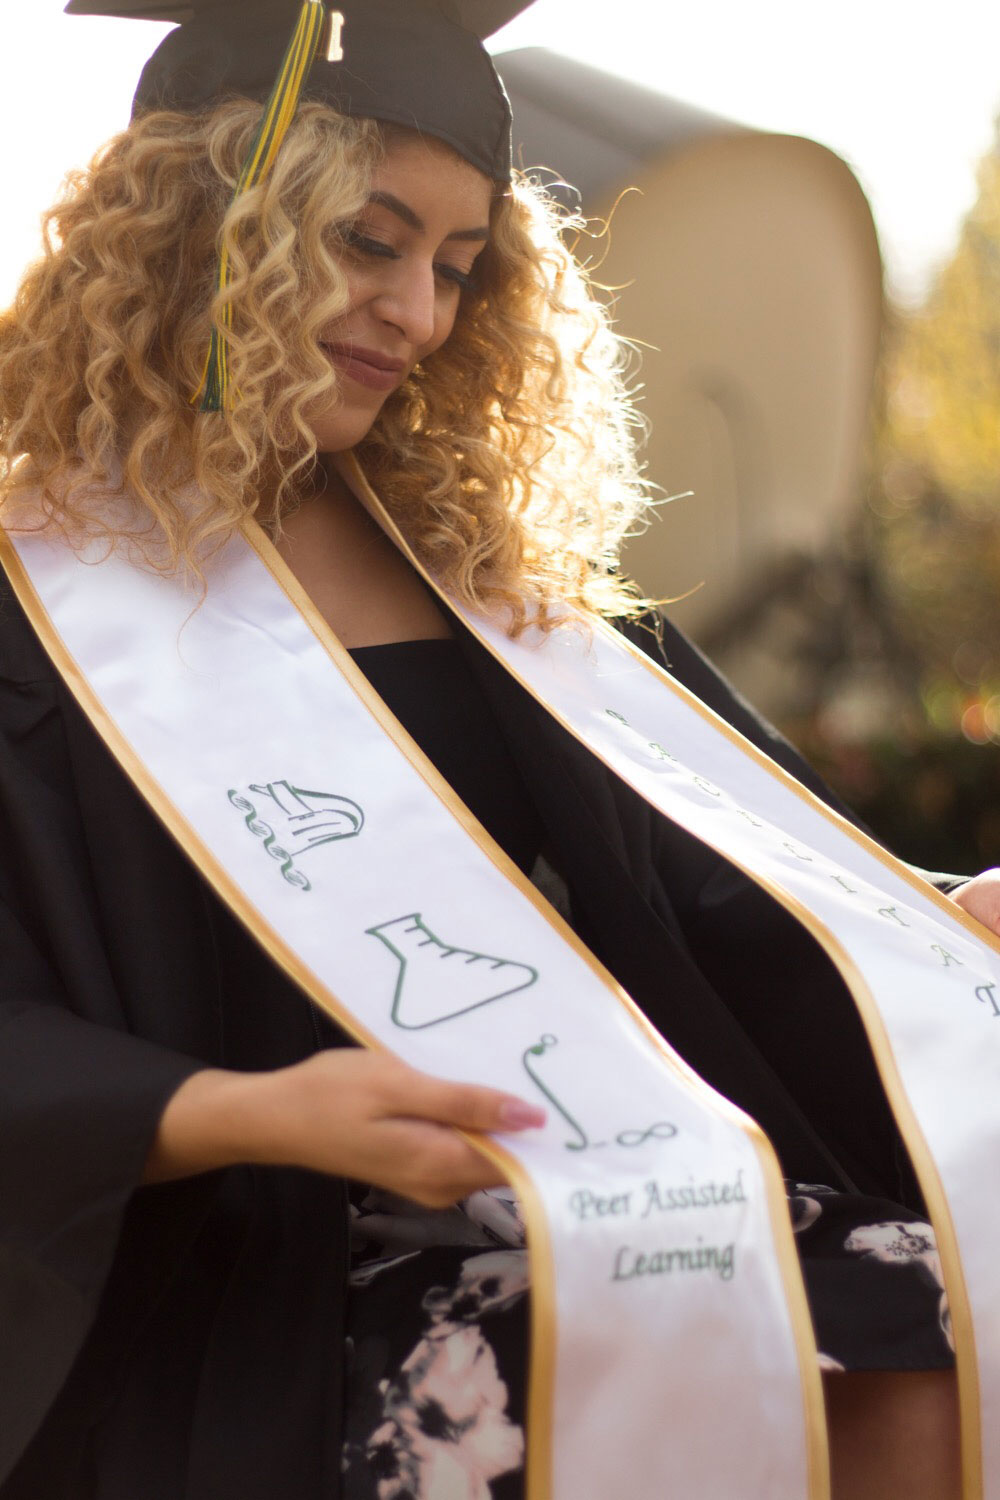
214 391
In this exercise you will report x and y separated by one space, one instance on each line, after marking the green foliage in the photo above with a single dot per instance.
932 798
934 540
936 498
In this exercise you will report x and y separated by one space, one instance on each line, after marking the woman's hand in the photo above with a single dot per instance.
980 897
351 1113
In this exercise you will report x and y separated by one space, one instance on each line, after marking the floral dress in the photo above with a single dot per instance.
438 1329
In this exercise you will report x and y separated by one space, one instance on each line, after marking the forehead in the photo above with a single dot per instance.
433 180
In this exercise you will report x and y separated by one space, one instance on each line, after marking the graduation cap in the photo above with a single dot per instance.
418 63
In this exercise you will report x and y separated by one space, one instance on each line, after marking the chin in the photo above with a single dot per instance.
344 428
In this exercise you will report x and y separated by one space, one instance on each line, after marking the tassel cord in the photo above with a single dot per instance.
214 388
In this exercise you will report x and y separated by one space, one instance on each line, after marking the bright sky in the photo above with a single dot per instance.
906 92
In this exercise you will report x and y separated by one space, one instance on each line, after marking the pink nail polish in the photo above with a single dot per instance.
515 1114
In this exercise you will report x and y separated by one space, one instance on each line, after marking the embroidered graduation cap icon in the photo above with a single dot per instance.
418 63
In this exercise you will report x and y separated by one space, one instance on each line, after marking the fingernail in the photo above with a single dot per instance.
515 1114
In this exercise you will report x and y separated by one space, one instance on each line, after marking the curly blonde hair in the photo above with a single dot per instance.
508 458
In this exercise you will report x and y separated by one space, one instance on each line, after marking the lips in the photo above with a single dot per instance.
368 367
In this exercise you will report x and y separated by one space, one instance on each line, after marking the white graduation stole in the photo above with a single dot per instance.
672 1347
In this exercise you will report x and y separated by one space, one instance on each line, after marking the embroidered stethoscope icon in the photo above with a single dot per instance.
661 1130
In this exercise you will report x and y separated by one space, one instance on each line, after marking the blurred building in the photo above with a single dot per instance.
749 263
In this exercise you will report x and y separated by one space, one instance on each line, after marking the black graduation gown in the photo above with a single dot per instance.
122 973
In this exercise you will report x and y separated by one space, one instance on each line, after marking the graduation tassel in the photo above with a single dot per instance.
214 392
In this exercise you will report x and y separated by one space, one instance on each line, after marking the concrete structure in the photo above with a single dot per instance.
750 264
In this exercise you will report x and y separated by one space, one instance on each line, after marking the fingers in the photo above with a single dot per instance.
421 1118
433 1165
373 1118
467 1106
980 897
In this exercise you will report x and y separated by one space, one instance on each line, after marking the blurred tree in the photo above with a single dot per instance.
882 659
934 548
936 499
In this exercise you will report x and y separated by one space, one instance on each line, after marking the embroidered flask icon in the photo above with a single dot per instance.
436 982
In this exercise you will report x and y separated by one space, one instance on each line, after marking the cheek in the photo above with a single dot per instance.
361 289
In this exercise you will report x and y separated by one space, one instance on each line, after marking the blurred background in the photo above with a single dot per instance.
805 247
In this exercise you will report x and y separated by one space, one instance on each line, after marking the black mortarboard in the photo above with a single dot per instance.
419 63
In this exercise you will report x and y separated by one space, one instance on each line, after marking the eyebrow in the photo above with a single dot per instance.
414 221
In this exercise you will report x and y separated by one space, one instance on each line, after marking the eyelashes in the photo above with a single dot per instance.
461 279
451 273
364 245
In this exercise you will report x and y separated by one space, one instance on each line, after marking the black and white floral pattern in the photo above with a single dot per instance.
444 1427
437 1348
911 1245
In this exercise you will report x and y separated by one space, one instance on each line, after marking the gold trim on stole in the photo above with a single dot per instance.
924 1165
541 1381
923 1161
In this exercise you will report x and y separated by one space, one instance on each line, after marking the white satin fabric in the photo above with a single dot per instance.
926 978
672 1296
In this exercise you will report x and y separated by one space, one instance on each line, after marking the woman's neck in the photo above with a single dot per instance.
362 586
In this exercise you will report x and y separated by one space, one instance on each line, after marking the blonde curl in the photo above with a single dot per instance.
508 458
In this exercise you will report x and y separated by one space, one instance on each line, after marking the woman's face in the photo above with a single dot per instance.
412 252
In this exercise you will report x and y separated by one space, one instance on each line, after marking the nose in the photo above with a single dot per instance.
409 302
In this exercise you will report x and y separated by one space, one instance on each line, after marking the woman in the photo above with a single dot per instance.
179 1124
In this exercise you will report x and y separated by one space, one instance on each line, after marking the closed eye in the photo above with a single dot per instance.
461 279
363 244
366 246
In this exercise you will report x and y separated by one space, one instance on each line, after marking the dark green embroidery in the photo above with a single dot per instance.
749 817
437 982
662 1130
306 819
792 849
583 1141
986 996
